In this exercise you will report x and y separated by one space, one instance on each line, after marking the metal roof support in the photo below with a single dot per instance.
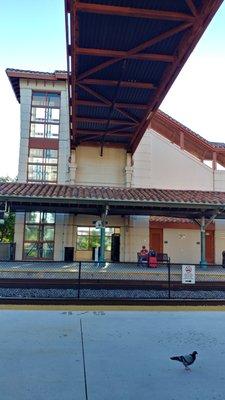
203 225
102 234
137 49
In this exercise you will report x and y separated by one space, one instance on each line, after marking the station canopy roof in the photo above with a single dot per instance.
123 56
92 200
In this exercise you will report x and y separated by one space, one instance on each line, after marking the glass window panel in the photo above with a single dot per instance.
50 174
37 130
33 217
36 156
48 233
83 230
38 114
108 241
51 156
39 99
53 114
54 99
31 232
30 250
52 131
35 172
94 231
48 218
109 231
82 242
47 251
94 241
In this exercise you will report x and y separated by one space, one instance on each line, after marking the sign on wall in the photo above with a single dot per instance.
188 274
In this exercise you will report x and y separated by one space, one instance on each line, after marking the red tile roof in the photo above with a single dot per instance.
117 194
155 218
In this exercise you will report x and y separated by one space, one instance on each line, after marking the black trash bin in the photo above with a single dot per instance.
223 259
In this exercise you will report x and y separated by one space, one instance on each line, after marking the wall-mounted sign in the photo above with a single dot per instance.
188 274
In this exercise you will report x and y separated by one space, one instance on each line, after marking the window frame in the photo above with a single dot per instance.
46 122
40 241
43 164
89 235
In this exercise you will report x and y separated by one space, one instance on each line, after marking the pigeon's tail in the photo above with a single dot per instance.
176 358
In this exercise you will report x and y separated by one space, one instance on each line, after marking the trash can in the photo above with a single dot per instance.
96 253
223 259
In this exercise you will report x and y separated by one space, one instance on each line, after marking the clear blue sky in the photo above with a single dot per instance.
32 36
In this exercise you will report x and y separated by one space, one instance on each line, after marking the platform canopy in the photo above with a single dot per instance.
123 56
93 200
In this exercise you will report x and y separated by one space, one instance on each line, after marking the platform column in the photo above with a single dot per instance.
203 262
102 234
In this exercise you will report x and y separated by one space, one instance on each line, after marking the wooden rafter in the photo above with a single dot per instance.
99 133
192 7
132 12
123 54
138 49
104 121
107 102
126 84
90 103
75 40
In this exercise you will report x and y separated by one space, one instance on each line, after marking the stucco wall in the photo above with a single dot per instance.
160 164
219 177
92 169
182 245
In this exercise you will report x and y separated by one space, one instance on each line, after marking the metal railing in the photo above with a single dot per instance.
108 280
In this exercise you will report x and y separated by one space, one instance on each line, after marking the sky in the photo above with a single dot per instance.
32 36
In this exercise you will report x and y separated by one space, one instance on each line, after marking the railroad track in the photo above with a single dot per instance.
108 284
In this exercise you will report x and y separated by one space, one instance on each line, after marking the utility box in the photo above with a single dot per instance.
7 251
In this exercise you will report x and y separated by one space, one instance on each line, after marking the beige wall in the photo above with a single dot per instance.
92 169
18 235
219 177
160 164
182 245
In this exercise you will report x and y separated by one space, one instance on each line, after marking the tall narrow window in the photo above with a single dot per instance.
39 234
42 165
45 114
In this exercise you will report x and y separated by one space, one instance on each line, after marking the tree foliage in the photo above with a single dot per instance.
7 229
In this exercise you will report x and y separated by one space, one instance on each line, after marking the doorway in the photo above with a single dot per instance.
210 247
156 239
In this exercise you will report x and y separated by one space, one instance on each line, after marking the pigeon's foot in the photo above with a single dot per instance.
187 369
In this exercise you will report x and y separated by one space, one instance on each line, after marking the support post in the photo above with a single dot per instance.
102 235
203 262
102 244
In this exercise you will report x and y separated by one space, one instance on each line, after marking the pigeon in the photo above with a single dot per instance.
186 360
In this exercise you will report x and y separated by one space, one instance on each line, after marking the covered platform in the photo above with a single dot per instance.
123 57
201 206
91 353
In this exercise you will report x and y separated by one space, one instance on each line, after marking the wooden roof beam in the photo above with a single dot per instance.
107 102
97 133
104 121
132 12
127 84
118 54
90 103
138 49
192 7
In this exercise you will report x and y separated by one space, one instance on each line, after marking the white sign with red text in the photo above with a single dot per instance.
188 274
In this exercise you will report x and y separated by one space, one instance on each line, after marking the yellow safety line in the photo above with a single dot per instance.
108 308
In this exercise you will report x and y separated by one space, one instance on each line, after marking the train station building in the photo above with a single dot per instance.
99 163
